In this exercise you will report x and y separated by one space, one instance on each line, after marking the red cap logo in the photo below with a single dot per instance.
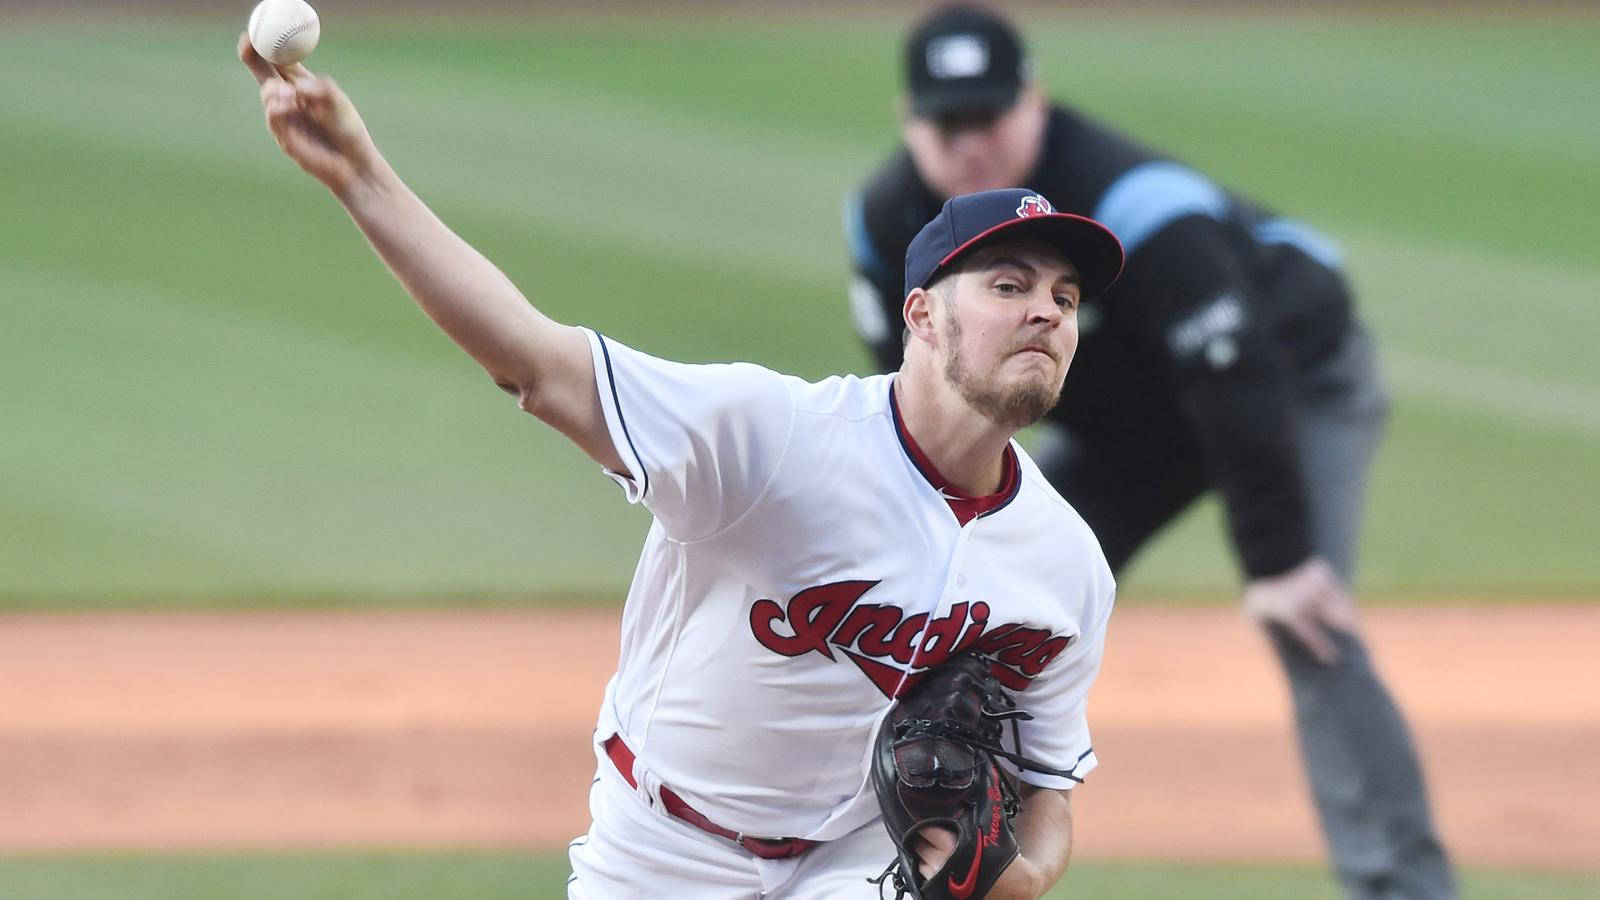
1034 205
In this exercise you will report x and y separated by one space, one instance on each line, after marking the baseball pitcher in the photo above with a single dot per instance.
858 643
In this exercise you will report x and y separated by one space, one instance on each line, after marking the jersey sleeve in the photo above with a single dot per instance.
699 443
1058 733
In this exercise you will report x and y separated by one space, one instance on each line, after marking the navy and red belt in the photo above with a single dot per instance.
766 848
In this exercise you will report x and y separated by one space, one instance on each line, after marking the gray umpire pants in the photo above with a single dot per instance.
1365 779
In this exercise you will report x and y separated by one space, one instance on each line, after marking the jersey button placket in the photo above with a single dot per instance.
954 580
957 580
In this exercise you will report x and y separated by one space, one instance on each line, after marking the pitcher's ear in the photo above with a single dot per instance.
918 313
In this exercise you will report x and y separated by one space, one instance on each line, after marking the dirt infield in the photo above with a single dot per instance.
471 729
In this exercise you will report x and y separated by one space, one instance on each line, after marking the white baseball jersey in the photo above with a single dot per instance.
801 562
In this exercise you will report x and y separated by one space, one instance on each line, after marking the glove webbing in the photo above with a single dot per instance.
915 729
911 729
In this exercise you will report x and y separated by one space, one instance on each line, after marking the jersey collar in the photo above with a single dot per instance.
965 508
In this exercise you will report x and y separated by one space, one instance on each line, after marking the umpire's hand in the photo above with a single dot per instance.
314 122
1308 601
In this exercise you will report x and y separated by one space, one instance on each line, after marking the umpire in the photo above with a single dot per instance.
1228 358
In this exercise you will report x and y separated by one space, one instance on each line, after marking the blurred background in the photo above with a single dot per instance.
217 409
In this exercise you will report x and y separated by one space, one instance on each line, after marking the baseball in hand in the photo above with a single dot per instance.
284 31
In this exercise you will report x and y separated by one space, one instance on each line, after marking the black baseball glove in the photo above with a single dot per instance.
934 765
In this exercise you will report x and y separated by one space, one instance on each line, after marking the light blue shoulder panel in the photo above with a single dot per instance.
1151 196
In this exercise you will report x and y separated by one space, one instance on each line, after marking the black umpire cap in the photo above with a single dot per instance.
963 59
970 221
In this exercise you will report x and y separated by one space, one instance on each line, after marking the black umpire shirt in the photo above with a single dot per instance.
1183 378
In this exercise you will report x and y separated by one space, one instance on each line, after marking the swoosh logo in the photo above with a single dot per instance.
962 889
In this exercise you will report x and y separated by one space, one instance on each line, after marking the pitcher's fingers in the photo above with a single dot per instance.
938 837
927 857
275 92
316 93
296 74
260 68
301 146
282 114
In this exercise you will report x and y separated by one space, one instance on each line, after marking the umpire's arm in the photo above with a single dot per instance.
546 365
1232 382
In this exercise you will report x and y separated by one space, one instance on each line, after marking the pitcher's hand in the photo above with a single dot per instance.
934 846
314 122
1308 602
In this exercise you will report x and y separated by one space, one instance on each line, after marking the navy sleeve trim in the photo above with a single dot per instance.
1078 762
616 403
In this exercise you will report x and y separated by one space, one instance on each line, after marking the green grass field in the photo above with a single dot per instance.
485 876
215 394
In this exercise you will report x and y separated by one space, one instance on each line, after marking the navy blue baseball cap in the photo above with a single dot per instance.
970 221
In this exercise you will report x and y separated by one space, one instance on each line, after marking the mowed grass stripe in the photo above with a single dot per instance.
1506 395
60 552
231 234
1485 504
1346 124
302 462
1466 80
1526 327
508 150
